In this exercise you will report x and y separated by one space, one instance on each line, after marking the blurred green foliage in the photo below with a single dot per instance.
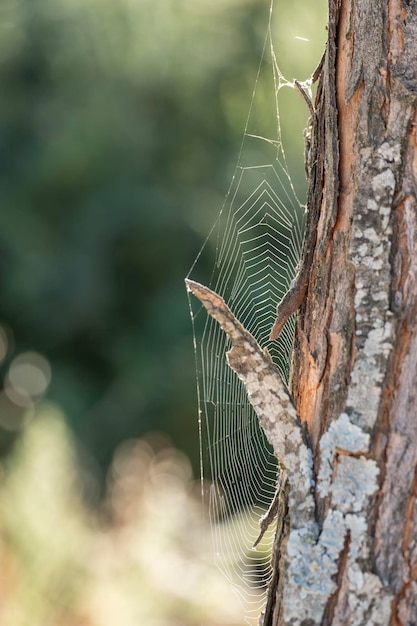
120 123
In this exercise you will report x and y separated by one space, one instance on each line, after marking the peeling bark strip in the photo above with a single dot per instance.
271 401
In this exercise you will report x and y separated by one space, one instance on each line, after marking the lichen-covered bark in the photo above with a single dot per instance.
355 373
350 549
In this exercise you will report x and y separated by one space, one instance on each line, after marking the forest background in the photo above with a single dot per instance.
120 126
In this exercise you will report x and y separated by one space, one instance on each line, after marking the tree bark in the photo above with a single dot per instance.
356 355
346 545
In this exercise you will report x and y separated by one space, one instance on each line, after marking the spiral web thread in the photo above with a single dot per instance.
256 242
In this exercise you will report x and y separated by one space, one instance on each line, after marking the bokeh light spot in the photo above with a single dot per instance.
28 378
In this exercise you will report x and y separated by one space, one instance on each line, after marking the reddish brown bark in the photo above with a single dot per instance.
367 110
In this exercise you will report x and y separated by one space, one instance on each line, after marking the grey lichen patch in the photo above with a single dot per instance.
342 435
389 153
355 481
368 374
309 556
370 250
383 185
313 565
357 525
348 478
369 601
313 561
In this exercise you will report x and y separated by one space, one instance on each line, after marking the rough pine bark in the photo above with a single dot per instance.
346 542
355 365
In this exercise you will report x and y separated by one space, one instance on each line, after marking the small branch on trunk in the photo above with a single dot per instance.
271 401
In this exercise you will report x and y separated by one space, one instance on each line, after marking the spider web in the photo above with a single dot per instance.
256 243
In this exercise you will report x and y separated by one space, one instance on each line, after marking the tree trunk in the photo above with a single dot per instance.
357 332
346 544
